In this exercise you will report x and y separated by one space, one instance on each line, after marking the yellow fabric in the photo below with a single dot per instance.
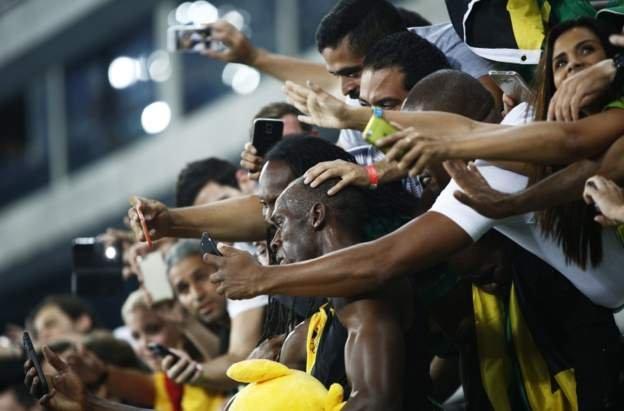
161 400
496 365
526 23
493 361
535 371
292 390
315 332
193 398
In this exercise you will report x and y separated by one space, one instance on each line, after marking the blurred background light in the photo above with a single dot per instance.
235 18
229 71
182 13
123 72
202 12
246 80
110 252
159 66
156 117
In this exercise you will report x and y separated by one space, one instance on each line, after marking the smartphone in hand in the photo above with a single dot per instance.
512 84
42 388
209 246
161 351
266 133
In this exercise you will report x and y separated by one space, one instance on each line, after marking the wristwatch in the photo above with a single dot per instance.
618 82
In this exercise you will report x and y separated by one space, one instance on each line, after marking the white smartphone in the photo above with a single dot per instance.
512 85
191 39
155 278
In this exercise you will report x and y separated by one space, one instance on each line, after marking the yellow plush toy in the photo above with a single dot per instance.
275 387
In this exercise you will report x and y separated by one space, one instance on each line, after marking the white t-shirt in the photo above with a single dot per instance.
604 284
235 307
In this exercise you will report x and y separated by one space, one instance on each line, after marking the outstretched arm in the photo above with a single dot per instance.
419 244
559 188
235 219
241 50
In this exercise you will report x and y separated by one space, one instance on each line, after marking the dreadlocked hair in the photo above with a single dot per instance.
571 225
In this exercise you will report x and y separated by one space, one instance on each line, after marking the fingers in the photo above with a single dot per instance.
227 250
339 186
617 40
216 278
54 360
181 371
316 171
212 260
45 400
325 175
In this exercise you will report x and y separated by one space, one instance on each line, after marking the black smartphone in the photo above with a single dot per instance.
209 246
42 388
96 267
266 133
160 350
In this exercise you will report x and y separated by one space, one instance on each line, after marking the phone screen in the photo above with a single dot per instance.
191 39
155 278
266 133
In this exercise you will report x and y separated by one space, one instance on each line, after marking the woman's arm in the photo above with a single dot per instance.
545 142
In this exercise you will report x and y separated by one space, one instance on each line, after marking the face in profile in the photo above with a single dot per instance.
346 65
294 238
574 51
146 328
190 279
52 324
274 178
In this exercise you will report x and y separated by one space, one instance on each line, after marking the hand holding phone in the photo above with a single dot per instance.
191 39
266 133
209 246
137 208
42 388
512 85
161 351
378 128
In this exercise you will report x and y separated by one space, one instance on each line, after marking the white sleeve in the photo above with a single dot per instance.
235 307
473 223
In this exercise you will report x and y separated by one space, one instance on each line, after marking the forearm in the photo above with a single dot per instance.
295 69
542 142
206 342
236 219
560 188
94 403
214 376
364 267
132 386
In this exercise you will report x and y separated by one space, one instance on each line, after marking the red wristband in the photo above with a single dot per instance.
373 177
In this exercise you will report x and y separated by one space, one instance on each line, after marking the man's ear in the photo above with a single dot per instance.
318 216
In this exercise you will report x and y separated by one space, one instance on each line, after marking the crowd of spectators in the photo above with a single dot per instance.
474 252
